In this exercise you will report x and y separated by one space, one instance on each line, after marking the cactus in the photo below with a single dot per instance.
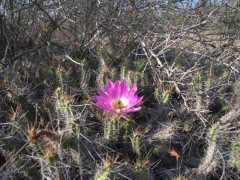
213 132
165 96
110 131
123 71
141 169
235 155
115 129
186 69
65 111
107 169
199 80
103 173
136 143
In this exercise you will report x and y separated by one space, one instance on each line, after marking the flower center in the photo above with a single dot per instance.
119 104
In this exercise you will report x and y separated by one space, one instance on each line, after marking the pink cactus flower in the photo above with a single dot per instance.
118 99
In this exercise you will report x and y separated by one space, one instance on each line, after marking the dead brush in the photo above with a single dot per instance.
183 58
34 134
14 115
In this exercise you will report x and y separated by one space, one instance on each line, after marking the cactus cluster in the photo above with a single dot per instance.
119 90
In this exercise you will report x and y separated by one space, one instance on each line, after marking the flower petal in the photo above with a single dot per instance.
117 90
133 110
132 91
135 101
124 88
102 93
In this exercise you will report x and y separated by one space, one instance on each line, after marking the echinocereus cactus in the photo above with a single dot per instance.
118 98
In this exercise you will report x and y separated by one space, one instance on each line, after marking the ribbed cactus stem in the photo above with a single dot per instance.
199 80
213 134
165 96
136 143
107 130
111 129
123 72
126 129
236 154
117 129
141 170
211 157
103 173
